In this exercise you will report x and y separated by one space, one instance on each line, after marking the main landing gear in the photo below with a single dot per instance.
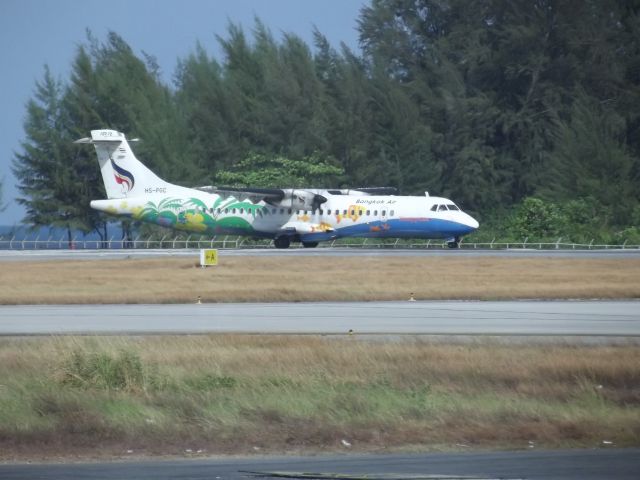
455 243
282 242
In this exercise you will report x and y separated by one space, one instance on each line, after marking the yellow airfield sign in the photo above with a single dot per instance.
208 257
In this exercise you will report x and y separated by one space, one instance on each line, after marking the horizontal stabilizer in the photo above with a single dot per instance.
104 136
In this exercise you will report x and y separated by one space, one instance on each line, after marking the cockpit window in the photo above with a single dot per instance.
442 208
451 206
434 208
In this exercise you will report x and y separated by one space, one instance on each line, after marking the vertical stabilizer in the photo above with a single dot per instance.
123 174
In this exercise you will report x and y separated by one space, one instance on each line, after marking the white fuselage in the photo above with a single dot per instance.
339 216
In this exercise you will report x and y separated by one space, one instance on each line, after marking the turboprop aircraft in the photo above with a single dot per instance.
285 215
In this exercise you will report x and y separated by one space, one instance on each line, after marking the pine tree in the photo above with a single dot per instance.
51 192
591 161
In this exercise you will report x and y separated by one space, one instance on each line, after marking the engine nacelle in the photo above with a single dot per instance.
302 200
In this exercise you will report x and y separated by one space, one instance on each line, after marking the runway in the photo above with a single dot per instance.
540 318
619 464
37 255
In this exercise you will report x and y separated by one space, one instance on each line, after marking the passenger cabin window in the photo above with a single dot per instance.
353 212
321 212
344 212
391 212
368 212
375 212
289 211
241 211
384 212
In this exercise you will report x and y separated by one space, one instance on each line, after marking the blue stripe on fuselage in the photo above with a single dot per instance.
397 228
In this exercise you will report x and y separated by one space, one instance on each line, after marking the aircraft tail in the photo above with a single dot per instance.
123 174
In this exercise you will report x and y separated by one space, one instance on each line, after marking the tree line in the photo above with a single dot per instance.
515 109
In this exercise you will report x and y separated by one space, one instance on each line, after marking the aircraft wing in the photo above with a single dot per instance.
364 191
378 190
255 195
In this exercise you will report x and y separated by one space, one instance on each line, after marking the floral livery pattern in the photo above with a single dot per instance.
193 215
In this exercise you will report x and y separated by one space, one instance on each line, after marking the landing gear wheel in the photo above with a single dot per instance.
309 244
455 243
282 242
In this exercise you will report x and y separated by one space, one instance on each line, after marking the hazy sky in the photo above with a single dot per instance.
38 32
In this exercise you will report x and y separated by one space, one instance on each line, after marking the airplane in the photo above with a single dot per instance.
308 216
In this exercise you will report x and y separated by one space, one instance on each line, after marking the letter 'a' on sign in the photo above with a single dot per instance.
208 256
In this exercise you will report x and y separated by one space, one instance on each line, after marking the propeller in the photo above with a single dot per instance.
317 201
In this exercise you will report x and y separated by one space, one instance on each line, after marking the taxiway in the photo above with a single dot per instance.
561 318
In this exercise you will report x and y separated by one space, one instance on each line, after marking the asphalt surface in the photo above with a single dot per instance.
21 255
582 318
610 464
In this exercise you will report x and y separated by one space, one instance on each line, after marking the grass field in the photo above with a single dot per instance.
240 279
119 396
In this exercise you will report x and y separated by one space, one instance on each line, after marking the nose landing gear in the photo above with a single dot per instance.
455 243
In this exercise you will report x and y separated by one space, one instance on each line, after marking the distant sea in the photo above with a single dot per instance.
24 232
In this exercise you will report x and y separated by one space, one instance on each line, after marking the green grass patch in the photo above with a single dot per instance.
123 371
232 394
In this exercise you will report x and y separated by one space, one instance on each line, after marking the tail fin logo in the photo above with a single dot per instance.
123 177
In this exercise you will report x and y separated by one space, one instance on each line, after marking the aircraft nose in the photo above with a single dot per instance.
472 222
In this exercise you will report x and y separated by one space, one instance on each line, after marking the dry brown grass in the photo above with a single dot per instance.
229 394
240 279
